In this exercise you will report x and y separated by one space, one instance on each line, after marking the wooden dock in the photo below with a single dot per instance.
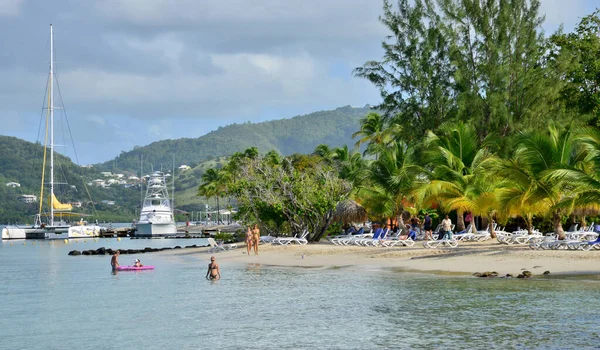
119 232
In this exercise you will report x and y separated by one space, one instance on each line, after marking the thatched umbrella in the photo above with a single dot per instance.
348 211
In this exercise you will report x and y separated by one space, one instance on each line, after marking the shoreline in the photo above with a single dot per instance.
468 258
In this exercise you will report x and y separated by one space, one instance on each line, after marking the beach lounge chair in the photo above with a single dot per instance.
288 240
350 233
378 235
466 234
590 245
404 240
217 247
266 239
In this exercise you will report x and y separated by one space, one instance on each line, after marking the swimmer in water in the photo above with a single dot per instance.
114 261
213 273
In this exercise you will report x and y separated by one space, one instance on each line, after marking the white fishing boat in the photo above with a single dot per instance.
49 225
156 216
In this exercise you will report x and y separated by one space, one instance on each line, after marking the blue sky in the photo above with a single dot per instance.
132 72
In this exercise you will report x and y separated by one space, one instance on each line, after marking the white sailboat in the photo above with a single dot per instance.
156 216
51 229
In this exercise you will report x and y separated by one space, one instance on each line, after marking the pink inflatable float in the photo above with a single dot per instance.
133 268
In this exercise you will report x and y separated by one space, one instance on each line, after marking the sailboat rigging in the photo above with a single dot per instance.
50 229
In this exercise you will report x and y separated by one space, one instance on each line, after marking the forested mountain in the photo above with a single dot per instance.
300 134
21 162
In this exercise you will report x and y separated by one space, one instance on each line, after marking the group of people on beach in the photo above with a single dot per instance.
252 239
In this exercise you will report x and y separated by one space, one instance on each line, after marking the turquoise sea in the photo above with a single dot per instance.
53 301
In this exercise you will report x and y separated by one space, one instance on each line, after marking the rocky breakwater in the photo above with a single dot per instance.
110 251
492 274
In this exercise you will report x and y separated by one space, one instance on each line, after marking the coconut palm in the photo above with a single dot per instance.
543 165
581 176
393 178
375 130
213 185
453 154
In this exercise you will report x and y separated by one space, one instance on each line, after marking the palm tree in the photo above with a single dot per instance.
581 176
519 197
542 165
323 151
375 131
213 185
453 154
393 178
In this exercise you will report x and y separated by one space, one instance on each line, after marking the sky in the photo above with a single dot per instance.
132 72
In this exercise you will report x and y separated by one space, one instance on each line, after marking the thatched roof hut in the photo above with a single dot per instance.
348 211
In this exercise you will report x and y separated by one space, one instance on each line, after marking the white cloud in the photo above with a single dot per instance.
10 7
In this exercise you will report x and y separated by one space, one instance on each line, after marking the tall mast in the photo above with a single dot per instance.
51 108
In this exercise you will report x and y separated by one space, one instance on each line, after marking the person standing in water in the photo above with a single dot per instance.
249 239
213 273
114 261
255 238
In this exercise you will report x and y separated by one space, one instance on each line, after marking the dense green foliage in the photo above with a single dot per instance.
286 136
465 86
477 61
292 194
21 162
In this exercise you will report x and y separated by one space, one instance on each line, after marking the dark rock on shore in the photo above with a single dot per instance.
101 251
546 273
75 252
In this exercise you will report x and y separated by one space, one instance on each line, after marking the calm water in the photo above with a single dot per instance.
53 301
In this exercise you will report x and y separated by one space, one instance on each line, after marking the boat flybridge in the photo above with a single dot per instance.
156 216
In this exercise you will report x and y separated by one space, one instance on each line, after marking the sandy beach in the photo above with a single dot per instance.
468 258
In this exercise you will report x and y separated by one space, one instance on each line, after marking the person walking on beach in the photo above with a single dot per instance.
249 239
114 261
213 273
446 228
255 238
427 227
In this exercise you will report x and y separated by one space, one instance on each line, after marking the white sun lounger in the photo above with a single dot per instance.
215 247
288 240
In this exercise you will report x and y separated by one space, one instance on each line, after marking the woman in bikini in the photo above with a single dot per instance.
255 238
213 273
249 240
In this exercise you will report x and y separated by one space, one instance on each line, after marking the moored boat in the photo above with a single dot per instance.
156 216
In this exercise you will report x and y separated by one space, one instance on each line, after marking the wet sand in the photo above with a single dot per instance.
468 258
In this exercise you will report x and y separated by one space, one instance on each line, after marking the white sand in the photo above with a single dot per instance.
467 258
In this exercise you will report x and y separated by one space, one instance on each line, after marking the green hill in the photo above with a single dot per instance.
300 134
21 162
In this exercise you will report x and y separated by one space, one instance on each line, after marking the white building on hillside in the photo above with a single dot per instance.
106 173
184 167
13 184
28 198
